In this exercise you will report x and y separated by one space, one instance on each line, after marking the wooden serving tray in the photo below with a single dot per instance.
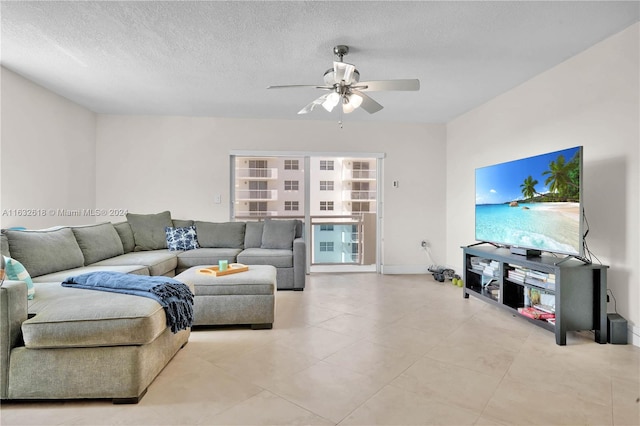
233 268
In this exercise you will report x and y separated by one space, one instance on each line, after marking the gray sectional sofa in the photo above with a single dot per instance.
73 343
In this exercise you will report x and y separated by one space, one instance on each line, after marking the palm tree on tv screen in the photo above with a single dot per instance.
562 177
529 187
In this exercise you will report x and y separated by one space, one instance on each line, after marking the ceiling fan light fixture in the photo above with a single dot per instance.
343 86
351 102
332 100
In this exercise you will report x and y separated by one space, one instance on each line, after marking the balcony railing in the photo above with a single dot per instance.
347 235
256 194
256 173
359 175
353 236
351 195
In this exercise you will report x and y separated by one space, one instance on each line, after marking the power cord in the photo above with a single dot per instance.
587 252
615 303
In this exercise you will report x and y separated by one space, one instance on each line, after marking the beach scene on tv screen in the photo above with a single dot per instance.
533 202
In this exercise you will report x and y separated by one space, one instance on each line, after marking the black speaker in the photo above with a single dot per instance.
616 329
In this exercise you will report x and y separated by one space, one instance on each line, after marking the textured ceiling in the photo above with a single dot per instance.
208 58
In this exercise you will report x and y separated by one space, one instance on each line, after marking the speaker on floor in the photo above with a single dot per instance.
616 329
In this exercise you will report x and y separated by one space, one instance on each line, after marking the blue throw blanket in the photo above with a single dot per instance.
175 297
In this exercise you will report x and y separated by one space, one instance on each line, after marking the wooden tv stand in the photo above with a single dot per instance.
580 289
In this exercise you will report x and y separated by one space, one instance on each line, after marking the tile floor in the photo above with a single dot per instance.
365 349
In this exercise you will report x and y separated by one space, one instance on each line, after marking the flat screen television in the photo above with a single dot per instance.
532 203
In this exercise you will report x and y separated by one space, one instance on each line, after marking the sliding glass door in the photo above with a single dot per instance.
336 196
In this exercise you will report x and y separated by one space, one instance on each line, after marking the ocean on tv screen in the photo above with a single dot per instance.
552 227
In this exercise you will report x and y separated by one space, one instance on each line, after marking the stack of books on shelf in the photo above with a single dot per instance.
485 266
537 312
494 290
529 276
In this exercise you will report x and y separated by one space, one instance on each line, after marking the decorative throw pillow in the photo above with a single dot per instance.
15 271
181 238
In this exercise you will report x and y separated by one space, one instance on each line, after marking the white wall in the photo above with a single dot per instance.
48 156
590 100
147 164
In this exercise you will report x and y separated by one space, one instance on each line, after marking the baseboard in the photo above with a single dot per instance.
634 335
342 268
405 269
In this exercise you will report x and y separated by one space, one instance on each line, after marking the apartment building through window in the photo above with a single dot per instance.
326 205
258 168
257 208
326 185
326 245
258 189
291 185
326 165
291 206
291 165
361 170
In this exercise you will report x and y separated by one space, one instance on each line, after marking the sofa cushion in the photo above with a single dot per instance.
180 223
205 257
14 270
182 238
220 235
278 234
44 252
4 244
148 230
299 228
98 242
259 256
253 235
159 262
126 236
72 317
63 275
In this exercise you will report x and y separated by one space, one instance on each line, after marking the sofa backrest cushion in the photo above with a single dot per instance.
299 228
148 230
98 242
278 234
4 244
126 236
220 235
45 252
181 223
253 235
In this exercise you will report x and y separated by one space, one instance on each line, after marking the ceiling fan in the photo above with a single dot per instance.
343 86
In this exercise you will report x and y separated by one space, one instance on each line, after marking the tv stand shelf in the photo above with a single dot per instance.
579 291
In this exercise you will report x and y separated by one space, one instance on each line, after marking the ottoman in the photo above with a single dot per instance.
235 299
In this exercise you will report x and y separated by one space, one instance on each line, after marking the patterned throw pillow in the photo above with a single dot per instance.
15 271
181 238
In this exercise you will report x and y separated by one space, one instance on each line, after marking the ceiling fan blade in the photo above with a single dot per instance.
288 86
309 107
343 71
380 85
368 104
